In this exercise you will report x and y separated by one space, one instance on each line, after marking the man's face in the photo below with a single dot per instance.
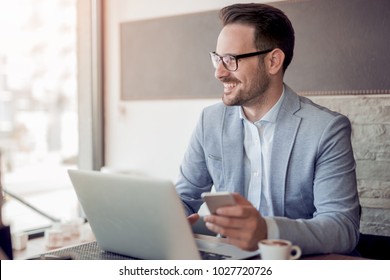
247 84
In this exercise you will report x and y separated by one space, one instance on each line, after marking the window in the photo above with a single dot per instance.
38 110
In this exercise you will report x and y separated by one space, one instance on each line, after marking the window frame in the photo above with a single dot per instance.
90 84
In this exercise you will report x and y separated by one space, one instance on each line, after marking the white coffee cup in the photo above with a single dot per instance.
19 240
278 249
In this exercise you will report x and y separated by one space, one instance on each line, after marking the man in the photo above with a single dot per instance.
288 161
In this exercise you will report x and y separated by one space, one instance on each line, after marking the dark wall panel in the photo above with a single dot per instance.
342 47
168 58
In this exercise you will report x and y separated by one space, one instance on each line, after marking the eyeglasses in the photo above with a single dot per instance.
229 61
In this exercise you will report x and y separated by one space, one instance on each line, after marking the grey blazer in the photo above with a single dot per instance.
313 180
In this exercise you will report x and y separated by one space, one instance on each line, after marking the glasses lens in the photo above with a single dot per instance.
228 61
215 59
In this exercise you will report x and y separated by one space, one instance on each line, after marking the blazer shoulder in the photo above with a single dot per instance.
311 112
317 111
215 108
219 110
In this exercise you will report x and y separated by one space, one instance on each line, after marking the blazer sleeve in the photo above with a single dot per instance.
194 177
334 226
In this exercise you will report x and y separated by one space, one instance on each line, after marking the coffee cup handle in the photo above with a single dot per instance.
298 252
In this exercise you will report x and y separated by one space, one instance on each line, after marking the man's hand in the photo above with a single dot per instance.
193 218
241 224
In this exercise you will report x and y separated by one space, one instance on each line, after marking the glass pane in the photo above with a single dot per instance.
38 110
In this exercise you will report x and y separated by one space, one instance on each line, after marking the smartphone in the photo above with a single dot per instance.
214 200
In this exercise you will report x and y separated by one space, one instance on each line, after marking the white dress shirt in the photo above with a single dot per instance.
258 139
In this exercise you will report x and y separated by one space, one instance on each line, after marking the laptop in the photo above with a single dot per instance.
143 218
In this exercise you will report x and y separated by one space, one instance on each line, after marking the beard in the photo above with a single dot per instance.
261 84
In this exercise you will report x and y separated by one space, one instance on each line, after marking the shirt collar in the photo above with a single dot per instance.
271 115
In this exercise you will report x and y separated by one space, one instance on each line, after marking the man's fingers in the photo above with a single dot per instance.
241 200
193 218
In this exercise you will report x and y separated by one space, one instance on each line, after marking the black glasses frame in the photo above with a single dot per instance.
235 58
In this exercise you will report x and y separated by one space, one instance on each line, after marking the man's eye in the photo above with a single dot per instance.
228 59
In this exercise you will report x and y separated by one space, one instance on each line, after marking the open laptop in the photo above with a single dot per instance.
143 218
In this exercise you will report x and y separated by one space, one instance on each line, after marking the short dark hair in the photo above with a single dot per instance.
272 27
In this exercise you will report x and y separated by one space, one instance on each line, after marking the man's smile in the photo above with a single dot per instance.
228 87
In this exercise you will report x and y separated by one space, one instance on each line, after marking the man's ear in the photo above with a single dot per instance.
274 61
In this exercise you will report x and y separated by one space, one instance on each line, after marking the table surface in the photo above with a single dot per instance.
37 246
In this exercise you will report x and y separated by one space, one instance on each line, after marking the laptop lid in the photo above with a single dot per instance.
128 215
144 218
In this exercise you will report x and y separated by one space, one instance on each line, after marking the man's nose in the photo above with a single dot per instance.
220 71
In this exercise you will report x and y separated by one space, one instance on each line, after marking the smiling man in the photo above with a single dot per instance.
288 161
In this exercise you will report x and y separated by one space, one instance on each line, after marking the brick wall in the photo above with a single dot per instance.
370 118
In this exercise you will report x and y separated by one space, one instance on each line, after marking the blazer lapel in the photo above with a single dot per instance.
233 150
284 137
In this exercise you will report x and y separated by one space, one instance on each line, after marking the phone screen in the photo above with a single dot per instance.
218 199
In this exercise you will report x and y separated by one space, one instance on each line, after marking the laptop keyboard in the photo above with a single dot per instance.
212 256
91 251
86 251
